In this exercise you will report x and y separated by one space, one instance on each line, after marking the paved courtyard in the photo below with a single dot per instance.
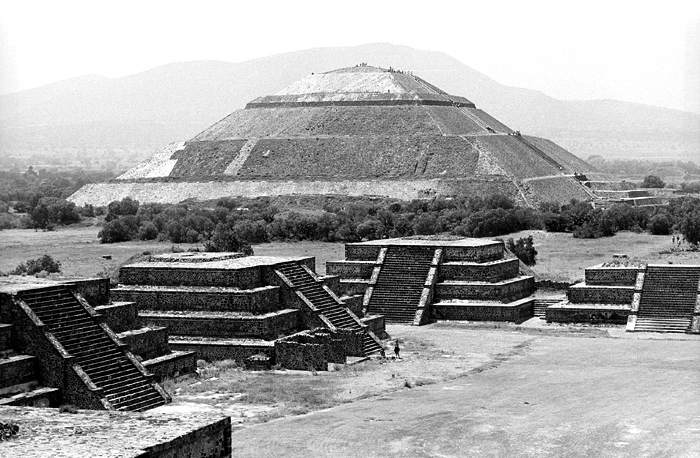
553 396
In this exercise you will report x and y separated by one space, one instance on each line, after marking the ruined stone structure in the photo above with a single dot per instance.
227 306
649 298
58 348
417 279
355 131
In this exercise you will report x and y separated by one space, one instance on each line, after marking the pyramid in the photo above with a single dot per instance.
358 131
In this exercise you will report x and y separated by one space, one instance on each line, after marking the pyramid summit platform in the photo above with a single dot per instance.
358 131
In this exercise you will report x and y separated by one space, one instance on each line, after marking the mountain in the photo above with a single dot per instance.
176 101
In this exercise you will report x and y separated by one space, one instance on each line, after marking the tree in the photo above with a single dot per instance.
652 181
690 227
524 249
659 225
225 239
40 216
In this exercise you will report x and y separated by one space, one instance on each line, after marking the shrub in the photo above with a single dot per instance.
659 225
652 181
524 249
33 266
118 230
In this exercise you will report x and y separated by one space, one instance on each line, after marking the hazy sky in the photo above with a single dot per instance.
646 52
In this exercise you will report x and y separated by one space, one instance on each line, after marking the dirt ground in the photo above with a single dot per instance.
515 394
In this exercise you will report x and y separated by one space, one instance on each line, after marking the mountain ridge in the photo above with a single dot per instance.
175 101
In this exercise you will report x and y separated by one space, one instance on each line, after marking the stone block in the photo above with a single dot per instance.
119 316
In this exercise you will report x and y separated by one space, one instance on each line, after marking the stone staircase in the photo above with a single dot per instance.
95 351
399 287
326 303
541 304
668 299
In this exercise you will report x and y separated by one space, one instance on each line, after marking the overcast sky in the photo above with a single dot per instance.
646 52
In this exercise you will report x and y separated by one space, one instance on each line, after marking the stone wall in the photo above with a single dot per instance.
171 365
119 317
473 253
353 287
376 324
491 272
257 300
354 303
583 293
350 269
505 292
147 343
586 315
218 351
353 341
619 276
248 277
485 312
310 350
331 281
357 252
94 290
5 335
267 326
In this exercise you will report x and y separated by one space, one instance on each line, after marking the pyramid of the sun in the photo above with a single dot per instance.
354 131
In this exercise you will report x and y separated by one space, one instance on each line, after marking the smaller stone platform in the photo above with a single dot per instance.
228 306
413 280
98 434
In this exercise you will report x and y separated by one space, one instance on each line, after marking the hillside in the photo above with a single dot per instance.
176 101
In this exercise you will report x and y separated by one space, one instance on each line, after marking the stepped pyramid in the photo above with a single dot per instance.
354 131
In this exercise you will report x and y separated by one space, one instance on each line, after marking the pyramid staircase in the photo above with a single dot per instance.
399 287
668 299
327 304
124 385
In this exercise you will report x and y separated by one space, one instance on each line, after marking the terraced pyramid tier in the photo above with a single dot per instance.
357 131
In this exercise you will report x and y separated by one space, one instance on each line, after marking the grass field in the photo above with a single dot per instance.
560 256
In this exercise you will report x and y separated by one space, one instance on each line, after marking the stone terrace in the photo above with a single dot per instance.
48 433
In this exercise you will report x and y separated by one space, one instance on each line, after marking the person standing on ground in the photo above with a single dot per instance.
397 349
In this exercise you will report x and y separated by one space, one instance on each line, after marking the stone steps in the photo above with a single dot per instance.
668 299
669 325
95 352
399 286
325 303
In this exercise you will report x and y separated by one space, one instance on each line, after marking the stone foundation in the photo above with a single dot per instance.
567 312
46 432
516 311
